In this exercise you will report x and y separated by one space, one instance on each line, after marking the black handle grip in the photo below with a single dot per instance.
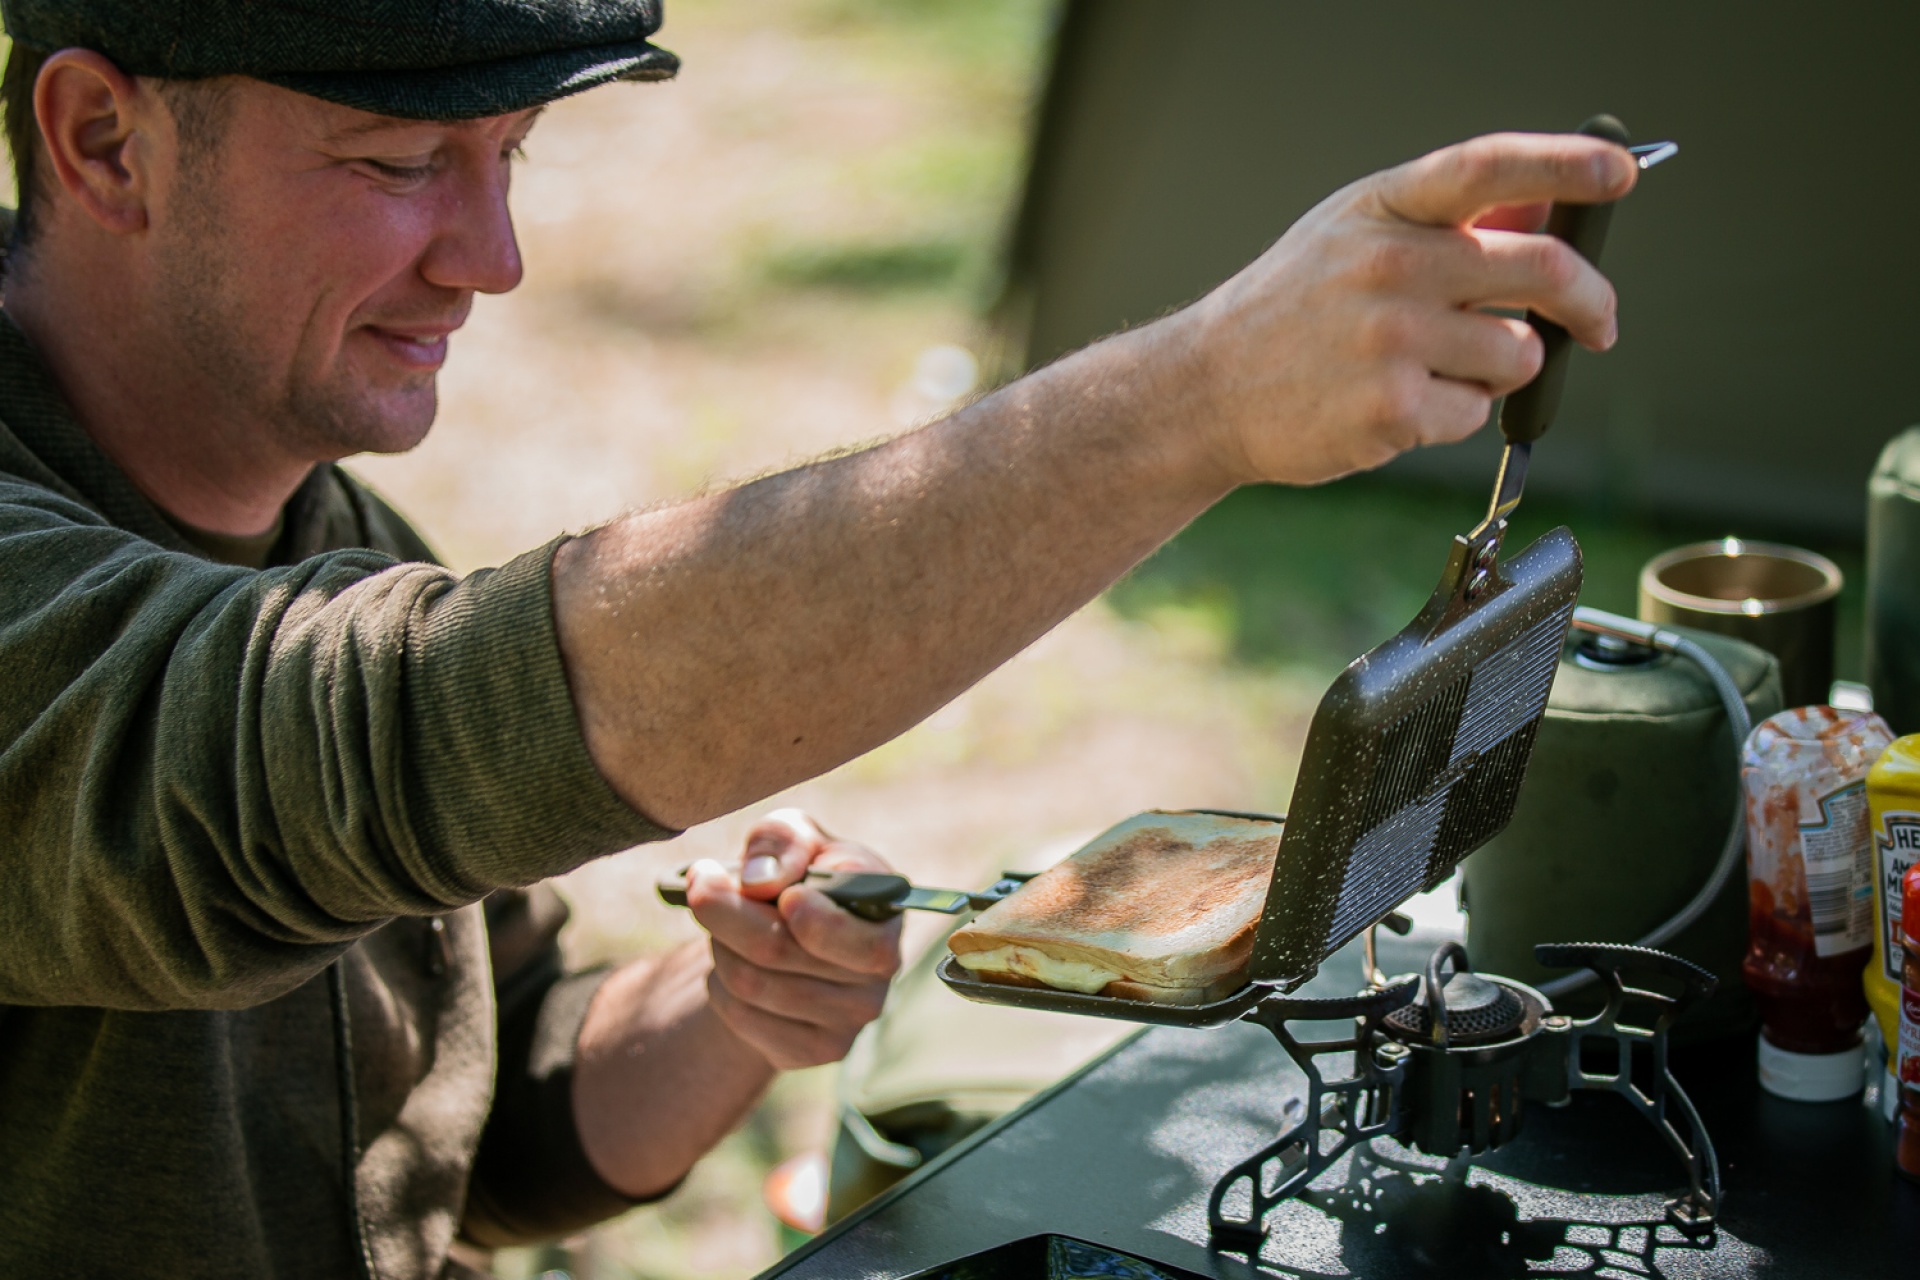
871 895
1528 412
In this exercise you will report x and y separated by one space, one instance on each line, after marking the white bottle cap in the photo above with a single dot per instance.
1811 1077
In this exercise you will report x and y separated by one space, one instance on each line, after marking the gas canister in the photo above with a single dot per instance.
1624 812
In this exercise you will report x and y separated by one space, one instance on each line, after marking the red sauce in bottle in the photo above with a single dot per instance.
1810 881
1809 1003
1906 1150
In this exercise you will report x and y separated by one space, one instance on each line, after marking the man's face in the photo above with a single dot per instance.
316 259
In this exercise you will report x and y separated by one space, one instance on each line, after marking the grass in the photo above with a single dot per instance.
1309 578
988 44
870 268
924 213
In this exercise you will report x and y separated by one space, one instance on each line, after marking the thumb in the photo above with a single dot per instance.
779 849
1453 186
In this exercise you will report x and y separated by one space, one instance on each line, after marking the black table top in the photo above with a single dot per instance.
1125 1152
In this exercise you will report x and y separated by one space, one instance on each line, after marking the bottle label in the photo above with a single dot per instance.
1838 857
1909 1074
1896 847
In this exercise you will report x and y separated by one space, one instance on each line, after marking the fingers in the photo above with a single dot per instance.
1502 185
814 1001
1453 186
804 933
1471 360
1355 336
785 844
845 855
787 1043
1492 268
1496 353
754 930
829 932
798 977
1531 216
1419 408
794 974
1453 410
779 849
1546 275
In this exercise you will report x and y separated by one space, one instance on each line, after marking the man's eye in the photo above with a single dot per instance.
400 172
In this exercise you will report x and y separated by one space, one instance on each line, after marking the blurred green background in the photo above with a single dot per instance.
1312 578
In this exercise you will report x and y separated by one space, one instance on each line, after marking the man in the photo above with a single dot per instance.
260 759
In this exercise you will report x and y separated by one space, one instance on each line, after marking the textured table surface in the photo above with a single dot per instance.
1124 1154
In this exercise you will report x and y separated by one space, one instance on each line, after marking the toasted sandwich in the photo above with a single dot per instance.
1162 907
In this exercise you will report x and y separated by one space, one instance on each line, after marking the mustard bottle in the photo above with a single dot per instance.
1893 800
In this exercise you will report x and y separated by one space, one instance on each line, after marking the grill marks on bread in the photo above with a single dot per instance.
1189 883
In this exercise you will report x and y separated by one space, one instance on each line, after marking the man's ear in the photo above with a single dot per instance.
94 123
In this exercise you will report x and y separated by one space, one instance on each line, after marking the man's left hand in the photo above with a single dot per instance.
795 976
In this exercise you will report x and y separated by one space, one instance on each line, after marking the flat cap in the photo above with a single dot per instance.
421 59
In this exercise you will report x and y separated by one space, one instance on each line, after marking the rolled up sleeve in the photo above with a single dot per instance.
216 779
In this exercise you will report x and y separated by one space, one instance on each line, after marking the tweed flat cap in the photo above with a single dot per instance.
421 59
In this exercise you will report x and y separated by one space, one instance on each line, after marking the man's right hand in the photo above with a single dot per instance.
794 976
1359 335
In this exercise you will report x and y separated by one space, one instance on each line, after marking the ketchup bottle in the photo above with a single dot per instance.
1906 1133
1810 895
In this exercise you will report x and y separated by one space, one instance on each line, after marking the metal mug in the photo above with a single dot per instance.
1778 597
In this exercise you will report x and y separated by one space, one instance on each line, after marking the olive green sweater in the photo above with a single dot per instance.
249 1004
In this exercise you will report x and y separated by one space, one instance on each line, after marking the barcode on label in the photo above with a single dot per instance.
1837 853
1830 900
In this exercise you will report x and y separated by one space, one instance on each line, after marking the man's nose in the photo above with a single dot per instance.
474 246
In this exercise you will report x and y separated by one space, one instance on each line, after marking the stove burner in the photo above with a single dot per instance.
1477 1011
1450 1065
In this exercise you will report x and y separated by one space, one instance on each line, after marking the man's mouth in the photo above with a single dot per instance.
422 349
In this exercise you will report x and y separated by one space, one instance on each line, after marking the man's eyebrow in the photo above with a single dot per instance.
375 124
381 124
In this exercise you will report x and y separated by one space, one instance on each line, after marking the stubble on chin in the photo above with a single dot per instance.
341 417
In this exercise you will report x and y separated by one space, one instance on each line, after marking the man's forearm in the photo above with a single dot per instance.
658 1078
724 648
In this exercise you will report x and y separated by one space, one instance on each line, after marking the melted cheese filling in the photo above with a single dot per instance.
1066 975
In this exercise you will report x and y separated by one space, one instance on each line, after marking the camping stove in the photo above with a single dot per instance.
1449 1062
